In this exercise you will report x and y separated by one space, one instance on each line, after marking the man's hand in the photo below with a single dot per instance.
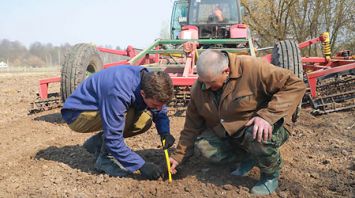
262 129
174 164
169 140
150 171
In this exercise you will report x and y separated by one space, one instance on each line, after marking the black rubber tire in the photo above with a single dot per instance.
83 59
286 54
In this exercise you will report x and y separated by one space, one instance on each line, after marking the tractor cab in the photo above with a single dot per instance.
208 18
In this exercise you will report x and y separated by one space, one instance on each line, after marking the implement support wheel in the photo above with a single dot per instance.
82 61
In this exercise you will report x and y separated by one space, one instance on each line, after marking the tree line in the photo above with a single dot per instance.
15 54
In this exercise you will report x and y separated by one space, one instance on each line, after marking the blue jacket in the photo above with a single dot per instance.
112 92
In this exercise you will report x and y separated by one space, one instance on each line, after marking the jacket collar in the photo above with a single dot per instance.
234 66
235 73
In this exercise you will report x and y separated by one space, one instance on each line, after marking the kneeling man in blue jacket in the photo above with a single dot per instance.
121 102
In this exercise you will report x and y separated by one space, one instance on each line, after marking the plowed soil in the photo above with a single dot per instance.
41 157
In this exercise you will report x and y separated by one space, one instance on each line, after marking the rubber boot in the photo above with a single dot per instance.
244 168
106 163
267 185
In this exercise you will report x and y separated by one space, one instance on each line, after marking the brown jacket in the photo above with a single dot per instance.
255 88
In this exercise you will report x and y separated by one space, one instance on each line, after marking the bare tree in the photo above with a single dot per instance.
273 20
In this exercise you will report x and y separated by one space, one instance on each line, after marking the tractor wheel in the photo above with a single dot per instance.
286 54
82 61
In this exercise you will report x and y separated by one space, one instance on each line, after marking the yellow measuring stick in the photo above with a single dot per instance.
167 161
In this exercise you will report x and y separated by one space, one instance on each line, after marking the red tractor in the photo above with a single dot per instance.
197 25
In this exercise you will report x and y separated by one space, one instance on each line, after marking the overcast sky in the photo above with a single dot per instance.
102 22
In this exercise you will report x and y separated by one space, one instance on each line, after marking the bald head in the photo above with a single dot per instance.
211 63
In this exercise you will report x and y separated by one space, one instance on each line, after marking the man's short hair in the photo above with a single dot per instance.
211 62
157 85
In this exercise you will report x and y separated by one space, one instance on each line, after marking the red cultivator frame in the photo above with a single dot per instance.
330 79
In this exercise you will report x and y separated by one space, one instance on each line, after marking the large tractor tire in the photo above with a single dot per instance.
286 54
82 61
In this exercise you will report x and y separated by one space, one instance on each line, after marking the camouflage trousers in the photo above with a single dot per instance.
242 147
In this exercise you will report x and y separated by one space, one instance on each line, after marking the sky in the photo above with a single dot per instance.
102 22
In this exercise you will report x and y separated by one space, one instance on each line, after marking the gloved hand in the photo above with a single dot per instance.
150 171
169 140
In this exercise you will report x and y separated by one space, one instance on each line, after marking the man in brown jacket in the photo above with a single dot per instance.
237 112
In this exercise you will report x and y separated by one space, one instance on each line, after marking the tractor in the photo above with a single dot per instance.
197 25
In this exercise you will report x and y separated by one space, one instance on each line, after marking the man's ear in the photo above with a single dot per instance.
227 70
142 94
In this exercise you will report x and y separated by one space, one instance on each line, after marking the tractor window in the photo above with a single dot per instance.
213 11
178 18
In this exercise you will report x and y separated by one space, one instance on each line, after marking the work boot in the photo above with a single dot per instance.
267 185
244 168
107 163
93 144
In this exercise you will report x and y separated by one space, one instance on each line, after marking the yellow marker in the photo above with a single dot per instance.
167 161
